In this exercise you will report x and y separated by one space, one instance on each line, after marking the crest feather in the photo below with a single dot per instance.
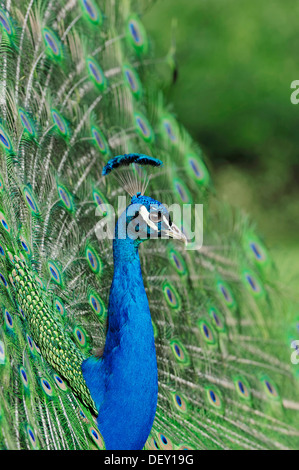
127 159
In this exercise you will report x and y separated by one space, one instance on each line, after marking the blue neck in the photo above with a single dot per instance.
126 292
124 382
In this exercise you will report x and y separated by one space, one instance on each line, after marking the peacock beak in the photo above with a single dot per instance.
174 232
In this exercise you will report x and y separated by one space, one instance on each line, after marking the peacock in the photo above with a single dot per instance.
119 330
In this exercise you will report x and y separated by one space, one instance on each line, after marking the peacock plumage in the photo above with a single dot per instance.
105 343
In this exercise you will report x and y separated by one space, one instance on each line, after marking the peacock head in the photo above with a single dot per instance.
145 218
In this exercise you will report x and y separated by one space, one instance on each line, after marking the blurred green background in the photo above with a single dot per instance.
236 61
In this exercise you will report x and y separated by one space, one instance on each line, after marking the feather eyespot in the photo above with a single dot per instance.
89 9
207 332
257 251
100 140
60 383
143 127
65 197
96 304
182 191
30 343
270 388
80 337
252 283
60 123
24 377
5 140
24 245
165 442
46 386
102 206
170 129
92 12
52 43
31 435
82 415
96 437
217 318
225 293
180 352
96 74
4 222
59 306
8 319
133 27
26 122
132 80
242 388
180 402
93 260
177 262
171 295
156 444
151 444
30 201
55 273
214 397
5 22
3 280
196 169
136 34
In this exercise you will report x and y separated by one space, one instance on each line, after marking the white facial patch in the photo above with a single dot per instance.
145 215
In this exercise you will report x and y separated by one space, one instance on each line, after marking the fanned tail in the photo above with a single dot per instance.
78 86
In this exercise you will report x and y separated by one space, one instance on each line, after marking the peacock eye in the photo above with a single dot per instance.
155 217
